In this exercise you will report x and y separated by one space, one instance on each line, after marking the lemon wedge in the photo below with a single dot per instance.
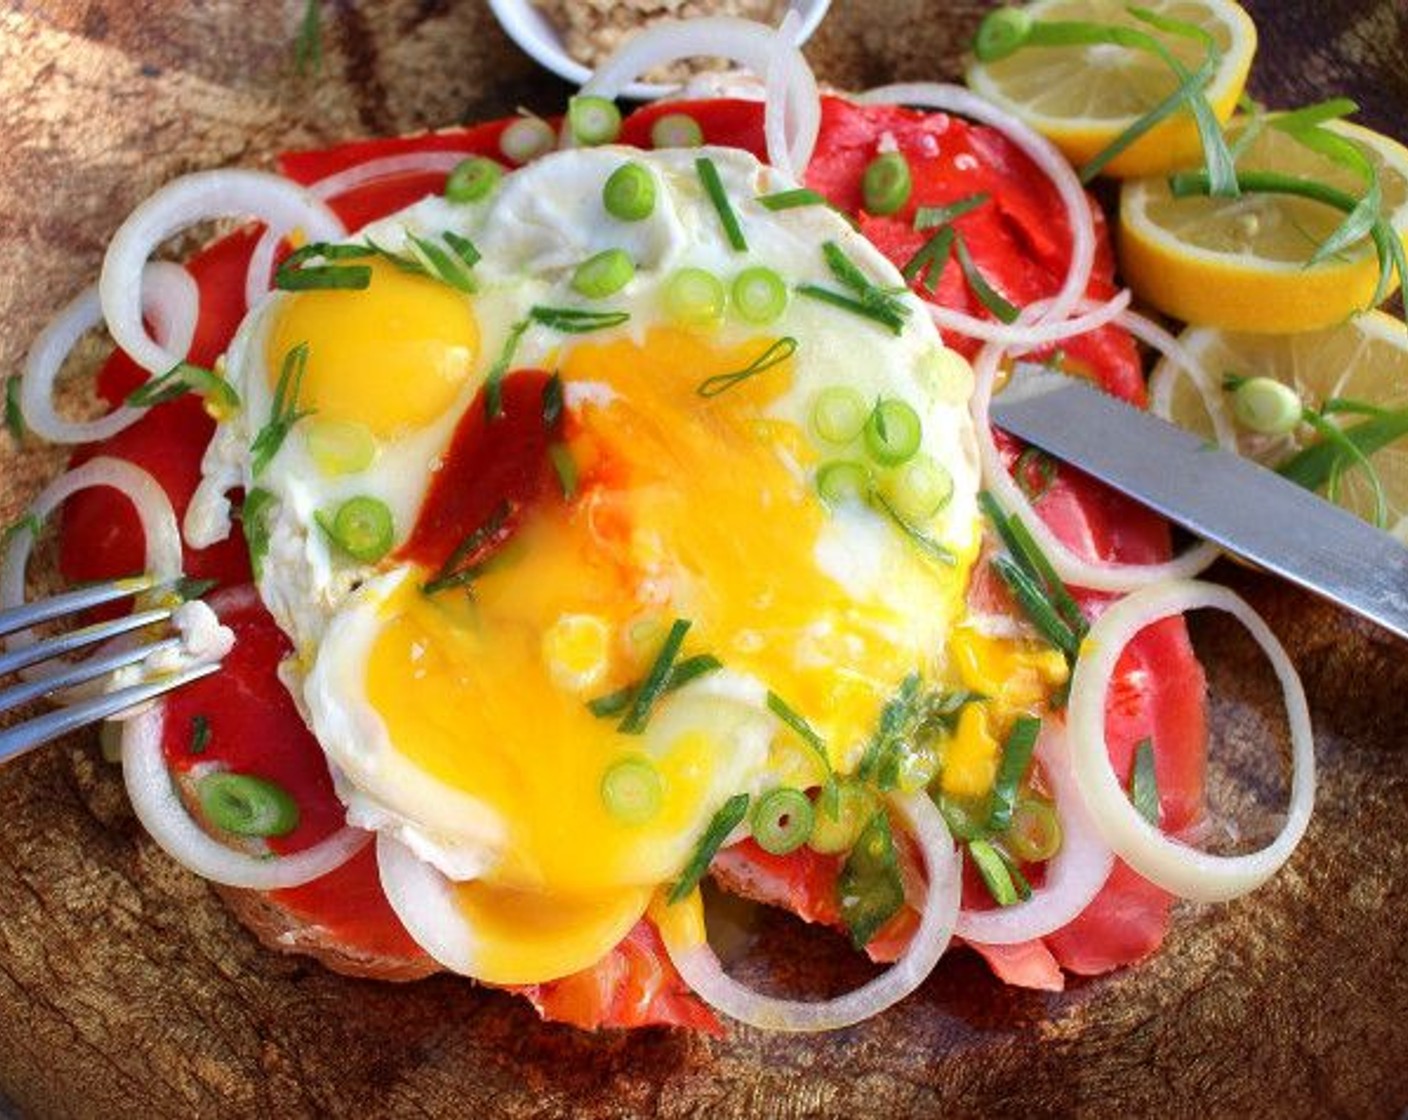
1364 360
1082 97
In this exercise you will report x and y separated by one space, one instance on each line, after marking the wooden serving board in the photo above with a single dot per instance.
126 990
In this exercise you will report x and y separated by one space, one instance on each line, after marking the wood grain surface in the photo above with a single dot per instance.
126 989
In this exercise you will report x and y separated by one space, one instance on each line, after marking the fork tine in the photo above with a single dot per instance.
15 741
41 610
61 644
81 673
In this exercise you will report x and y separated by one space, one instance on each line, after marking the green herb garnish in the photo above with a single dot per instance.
986 294
1016 760
200 734
724 822
714 188
808 734
1002 879
681 673
576 320
774 355
462 566
14 415
308 46
285 413
929 261
254 519
294 274
654 685
790 200
894 323
921 540
181 379
869 889
931 217
1144 784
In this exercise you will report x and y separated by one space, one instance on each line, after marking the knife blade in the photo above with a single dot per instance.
1240 505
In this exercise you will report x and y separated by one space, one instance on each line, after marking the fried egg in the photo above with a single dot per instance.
460 720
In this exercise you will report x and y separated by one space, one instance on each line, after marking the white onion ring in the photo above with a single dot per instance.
282 205
423 898
1074 876
1176 867
956 99
261 261
1031 330
754 45
1181 360
700 968
1072 568
170 299
160 809
158 519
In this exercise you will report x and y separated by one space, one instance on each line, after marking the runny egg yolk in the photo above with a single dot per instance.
689 507
392 357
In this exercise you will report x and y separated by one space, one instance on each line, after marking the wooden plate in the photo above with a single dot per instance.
128 991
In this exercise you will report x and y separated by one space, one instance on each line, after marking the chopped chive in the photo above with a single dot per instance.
1144 784
246 805
493 380
869 889
629 192
187 588
451 265
986 294
850 274
254 523
723 823
775 354
886 183
884 317
895 718
653 687
462 564
1037 606
285 412
473 179
294 274
682 672
893 432
1016 759
576 320
200 734
782 820
565 467
791 200
929 261
930 217
808 734
14 415
308 44
714 188
1028 555
553 401
183 378
921 540
996 875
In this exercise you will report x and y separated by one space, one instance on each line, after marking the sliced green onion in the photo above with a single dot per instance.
493 380
604 274
782 821
254 524
183 378
565 467
966 818
997 876
1037 605
676 130
1034 835
614 703
885 186
1267 406
246 805
775 354
1049 595
463 564
629 193
450 263
653 687
694 297
1002 33
892 432
869 888
918 489
632 790
576 320
294 274
853 277
362 527
916 765
930 260
931 217
473 179
759 294
884 316
921 540
526 139
839 414
791 200
714 188
724 822
14 415
985 293
339 447
285 412
1016 761
593 120
200 734
837 832
1144 783
844 480
808 734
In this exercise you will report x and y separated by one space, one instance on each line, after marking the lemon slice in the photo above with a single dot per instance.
1083 97
1241 263
1364 359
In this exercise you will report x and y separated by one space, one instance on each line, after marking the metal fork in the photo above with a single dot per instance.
25 736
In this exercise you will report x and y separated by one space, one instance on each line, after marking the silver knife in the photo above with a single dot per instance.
1234 502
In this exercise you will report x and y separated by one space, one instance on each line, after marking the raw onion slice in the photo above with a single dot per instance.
1176 867
795 117
956 99
1071 567
170 300
165 817
1181 362
282 205
1074 876
261 261
701 970
158 520
1031 330
424 899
